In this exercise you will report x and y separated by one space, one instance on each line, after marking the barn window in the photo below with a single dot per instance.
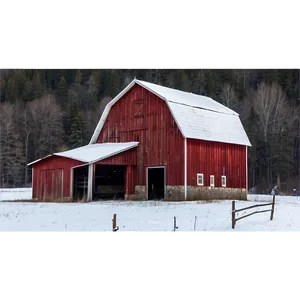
200 179
223 180
212 180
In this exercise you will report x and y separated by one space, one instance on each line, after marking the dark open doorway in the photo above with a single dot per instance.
156 183
80 182
109 182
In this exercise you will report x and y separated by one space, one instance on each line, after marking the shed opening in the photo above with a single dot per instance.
109 182
80 182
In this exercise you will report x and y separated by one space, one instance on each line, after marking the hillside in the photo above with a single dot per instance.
44 111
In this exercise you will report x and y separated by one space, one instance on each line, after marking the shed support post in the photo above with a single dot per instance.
185 170
90 182
246 170
71 182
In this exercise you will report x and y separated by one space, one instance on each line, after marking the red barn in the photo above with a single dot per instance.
153 142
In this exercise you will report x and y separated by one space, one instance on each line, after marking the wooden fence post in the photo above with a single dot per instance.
195 223
273 206
233 214
172 234
114 223
115 233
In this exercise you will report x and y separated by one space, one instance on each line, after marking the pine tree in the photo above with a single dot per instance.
62 92
127 78
71 109
212 88
79 92
27 94
252 79
78 78
251 127
44 82
11 90
197 82
115 85
93 90
37 86
285 82
270 76
240 82
182 81
170 79
281 147
76 136
2 87
20 81
108 83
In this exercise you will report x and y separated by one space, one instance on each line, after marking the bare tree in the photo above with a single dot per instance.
228 96
11 151
270 104
275 117
46 115
26 130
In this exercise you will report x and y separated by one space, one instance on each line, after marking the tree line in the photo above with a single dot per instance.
47 111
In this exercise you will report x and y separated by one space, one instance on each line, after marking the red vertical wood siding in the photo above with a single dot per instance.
51 176
142 116
128 157
214 158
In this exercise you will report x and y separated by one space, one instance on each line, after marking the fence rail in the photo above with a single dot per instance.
234 211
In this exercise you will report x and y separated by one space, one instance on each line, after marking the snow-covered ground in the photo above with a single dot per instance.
15 194
147 216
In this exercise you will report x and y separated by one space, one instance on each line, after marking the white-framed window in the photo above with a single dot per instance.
212 180
223 180
200 179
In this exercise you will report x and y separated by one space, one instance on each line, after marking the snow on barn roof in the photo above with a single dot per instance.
208 125
198 117
94 152
189 99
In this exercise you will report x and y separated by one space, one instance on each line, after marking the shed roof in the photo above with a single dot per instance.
198 117
94 152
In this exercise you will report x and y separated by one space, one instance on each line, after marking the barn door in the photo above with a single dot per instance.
138 115
51 184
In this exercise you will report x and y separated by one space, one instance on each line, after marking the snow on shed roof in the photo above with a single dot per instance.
94 152
198 117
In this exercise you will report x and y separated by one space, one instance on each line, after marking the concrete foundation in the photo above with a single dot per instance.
139 193
215 193
176 193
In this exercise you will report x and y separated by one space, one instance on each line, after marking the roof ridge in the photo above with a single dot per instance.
215 111
228 111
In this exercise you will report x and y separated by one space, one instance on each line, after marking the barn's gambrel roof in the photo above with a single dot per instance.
198 117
